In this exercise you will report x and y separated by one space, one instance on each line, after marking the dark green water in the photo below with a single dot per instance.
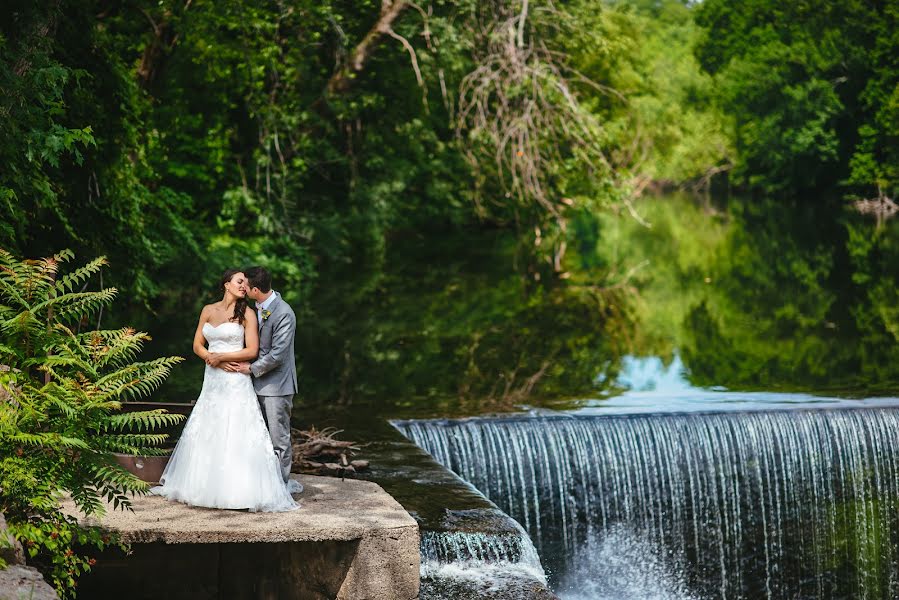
751 295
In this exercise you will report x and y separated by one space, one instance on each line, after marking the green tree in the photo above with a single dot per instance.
811 88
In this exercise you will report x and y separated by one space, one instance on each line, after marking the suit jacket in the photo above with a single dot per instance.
275 370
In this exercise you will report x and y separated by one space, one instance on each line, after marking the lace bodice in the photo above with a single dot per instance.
226 337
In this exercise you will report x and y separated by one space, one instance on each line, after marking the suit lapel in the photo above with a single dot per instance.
271 309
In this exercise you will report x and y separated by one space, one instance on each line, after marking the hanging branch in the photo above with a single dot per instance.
517 104
518 111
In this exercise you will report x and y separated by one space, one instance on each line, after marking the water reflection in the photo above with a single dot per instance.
652 375
754 295
764 295
648 385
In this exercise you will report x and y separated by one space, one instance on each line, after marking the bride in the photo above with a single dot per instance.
225 458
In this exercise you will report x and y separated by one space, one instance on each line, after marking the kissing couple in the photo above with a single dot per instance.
234 451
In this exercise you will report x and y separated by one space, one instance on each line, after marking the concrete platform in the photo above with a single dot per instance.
349 540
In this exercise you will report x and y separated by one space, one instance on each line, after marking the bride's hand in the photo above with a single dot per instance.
237 367
213 359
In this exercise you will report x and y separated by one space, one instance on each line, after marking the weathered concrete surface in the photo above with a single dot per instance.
350 539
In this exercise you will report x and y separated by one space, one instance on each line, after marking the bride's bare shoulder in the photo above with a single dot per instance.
207 311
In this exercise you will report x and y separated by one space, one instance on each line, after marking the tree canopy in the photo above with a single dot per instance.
179 138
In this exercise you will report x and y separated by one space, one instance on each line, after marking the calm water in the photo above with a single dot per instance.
746 295
751 296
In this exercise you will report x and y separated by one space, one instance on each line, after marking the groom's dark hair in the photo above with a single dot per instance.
259 277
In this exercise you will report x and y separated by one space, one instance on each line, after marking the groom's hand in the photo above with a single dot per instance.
238 367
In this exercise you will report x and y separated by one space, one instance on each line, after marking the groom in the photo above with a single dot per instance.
274 371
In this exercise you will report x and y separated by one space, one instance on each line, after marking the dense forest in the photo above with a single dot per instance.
178 138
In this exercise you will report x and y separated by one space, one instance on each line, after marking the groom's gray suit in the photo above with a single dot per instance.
275 376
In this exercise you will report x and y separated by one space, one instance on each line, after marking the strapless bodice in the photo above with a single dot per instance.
226 337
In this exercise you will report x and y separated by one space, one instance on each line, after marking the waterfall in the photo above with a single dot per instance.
462 564
775 504
452 546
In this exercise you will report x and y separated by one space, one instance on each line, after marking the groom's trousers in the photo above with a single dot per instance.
276 410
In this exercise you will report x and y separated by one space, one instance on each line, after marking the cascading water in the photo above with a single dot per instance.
767 504
478 564
452 546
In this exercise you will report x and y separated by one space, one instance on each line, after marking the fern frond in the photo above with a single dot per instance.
87 500
24 322
43 275
144 420
57 360
114 476
136 440
7 259
73 442
137 450
138 379
116 347
77 304
9 289
35 439
80 275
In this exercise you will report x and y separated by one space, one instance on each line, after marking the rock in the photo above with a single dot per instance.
18 581
14 554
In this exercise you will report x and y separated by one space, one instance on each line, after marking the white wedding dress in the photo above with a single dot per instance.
225 458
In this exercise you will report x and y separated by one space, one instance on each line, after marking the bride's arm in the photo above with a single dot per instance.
199 339
251 335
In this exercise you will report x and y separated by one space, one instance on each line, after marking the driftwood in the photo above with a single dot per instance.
318 453
882 207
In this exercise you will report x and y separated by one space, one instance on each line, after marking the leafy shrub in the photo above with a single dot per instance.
61 391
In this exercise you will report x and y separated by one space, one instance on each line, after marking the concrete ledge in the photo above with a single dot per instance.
350 539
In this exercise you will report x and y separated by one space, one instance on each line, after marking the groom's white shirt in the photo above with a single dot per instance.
264 305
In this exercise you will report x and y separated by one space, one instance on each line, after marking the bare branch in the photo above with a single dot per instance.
341 80
517 108
414 58
521 20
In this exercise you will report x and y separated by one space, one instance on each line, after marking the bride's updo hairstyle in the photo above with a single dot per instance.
240 306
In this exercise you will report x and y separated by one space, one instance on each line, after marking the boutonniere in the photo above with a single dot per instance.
266 313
